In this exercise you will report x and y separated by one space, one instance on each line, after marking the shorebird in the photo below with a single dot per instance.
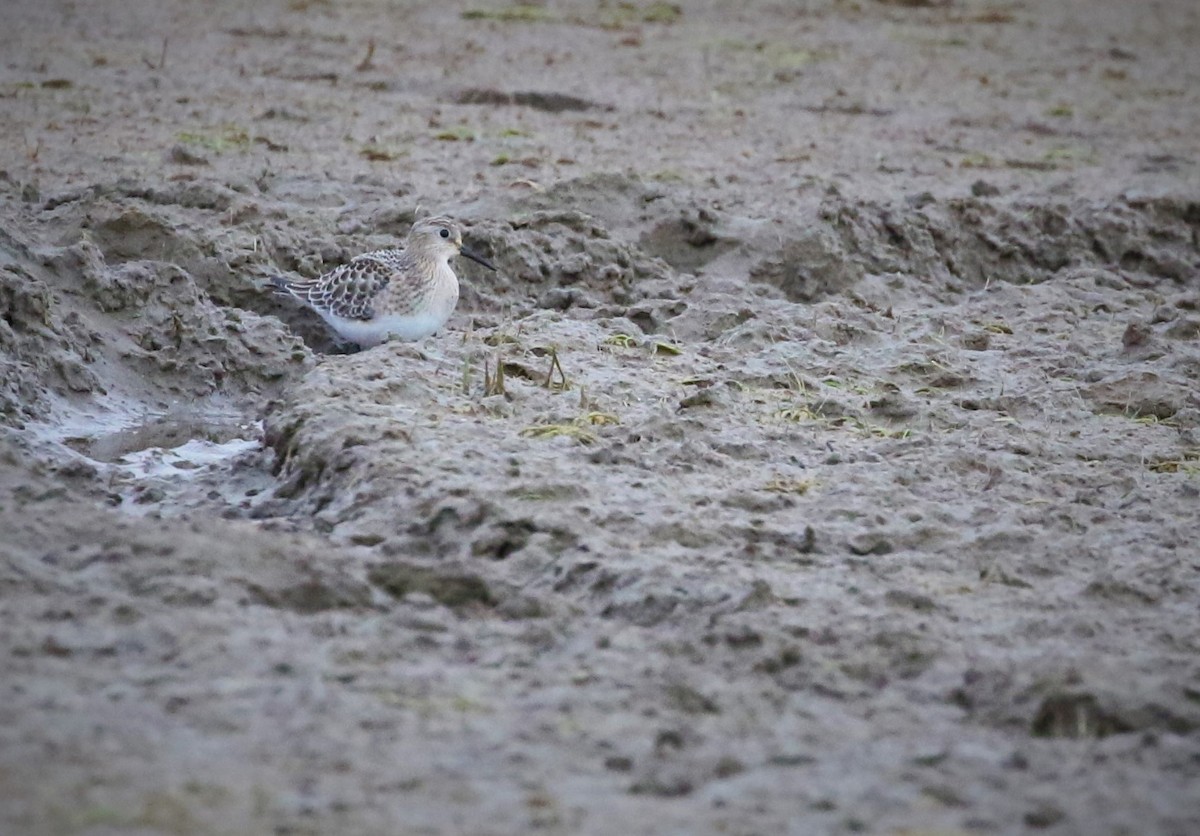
406 293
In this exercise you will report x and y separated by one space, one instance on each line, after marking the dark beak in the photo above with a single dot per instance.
477 258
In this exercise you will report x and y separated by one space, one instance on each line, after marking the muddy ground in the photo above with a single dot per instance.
824 457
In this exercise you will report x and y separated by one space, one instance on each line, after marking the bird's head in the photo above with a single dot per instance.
441 237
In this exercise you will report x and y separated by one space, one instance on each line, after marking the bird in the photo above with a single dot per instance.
406 293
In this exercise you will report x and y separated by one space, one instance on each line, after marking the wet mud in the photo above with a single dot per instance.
824 456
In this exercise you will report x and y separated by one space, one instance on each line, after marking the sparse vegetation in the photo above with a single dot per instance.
620 341
1186 462
219 139
604 16
780 484
556 378
379 153
576 429
514 13
457 133
493 378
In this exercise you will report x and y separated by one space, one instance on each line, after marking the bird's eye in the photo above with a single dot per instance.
445 233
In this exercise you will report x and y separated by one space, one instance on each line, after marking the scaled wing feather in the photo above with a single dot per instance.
349 291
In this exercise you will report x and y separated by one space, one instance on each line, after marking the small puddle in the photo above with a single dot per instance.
187 458
165 431
167 462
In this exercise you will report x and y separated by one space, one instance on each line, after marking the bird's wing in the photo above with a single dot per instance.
348 291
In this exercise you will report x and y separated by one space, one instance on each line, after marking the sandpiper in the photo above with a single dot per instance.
406 293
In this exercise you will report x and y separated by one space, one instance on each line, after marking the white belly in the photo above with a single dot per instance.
373 332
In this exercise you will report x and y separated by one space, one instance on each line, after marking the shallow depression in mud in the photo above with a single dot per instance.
163 462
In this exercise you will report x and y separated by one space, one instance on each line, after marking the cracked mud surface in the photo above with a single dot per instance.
824 457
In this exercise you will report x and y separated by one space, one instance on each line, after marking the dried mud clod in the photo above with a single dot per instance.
399 579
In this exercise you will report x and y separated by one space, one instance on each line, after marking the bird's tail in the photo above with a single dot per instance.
281 285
